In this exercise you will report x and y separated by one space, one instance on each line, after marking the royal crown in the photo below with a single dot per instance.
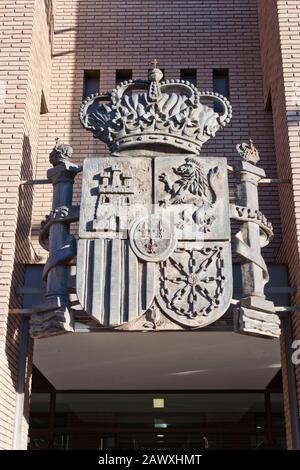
154 115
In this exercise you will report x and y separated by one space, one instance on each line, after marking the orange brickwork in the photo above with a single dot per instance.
280 46
25 65
257 43
204 35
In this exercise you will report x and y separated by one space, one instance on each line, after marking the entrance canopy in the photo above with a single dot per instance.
157 361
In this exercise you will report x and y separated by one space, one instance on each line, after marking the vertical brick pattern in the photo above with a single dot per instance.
24 72
280 46
289 18
113 34
110 35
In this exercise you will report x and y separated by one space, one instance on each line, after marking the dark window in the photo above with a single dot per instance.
122 75
91 82
220 85
189 75
203 420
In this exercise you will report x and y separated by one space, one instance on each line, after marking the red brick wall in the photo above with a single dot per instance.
110 35
289 18
280 41
24 72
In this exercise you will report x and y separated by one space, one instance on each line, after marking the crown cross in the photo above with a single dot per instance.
155 63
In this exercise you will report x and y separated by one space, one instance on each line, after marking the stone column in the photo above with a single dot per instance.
254 315
254 274
54 315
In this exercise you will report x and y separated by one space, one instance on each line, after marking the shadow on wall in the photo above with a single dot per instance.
50 18
23 254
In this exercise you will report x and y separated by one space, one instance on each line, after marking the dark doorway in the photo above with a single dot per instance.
156 420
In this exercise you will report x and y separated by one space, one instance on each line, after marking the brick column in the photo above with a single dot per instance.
24 73
280 44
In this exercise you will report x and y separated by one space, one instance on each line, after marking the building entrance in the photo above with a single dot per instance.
156 420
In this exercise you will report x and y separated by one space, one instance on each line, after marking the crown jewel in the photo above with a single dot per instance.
248 152
154 115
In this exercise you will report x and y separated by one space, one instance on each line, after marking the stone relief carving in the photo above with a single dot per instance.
153 318
168 112
113 285
192 282
129 270
61 153
254 314
193 187
54 316
152 238
248 152
248 214
194 190
116 192
154 248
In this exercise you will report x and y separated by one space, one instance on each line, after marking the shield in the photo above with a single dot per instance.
154 233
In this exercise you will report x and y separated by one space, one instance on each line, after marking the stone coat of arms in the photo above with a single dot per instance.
154 243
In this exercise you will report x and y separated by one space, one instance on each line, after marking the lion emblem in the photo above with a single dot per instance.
192 186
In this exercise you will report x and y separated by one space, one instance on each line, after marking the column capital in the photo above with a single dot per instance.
243 167
64 172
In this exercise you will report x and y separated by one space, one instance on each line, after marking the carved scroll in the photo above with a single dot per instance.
54 316
254 315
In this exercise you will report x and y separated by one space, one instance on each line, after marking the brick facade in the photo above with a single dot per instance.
108 35
280 47
24 72
114 35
